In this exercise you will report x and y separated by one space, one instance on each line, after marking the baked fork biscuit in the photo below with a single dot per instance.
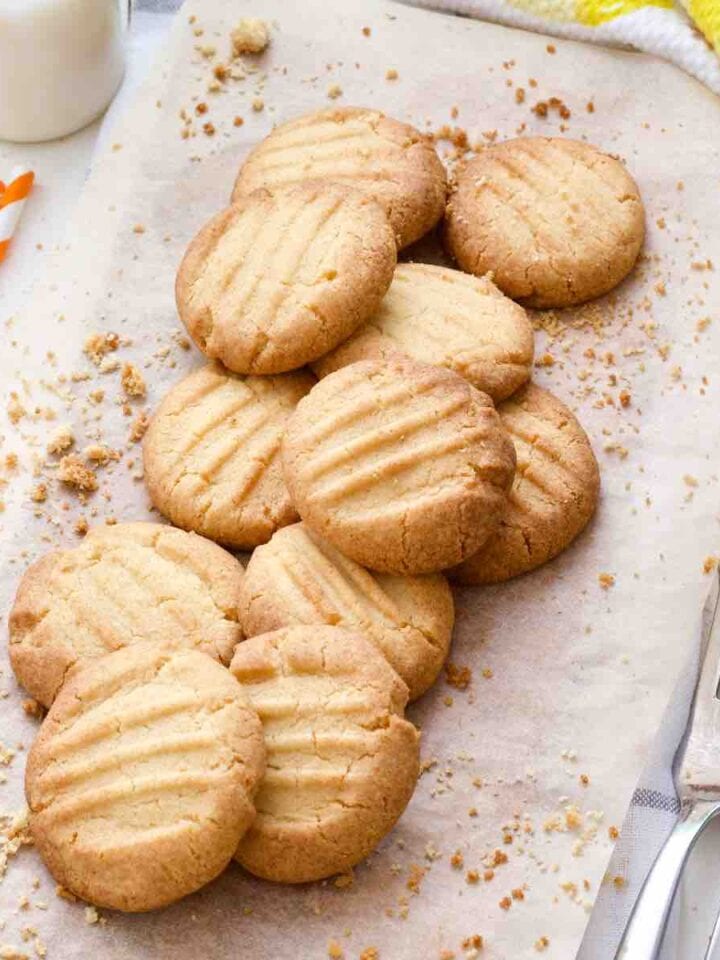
122 584
556 221
140 782
342 762
284 275
389 161
299 578
553 497
449 318
402 466
212 454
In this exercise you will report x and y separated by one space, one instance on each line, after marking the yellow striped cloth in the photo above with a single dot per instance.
684 31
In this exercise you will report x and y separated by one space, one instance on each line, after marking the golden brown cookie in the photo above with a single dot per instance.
556 221
129 582
342 761
385 159
449 318
299 578
283 276
402 466
554 495
140 782
212 454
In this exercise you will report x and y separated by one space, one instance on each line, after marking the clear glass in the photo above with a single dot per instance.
61 62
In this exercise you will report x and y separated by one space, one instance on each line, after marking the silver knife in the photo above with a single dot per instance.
698 786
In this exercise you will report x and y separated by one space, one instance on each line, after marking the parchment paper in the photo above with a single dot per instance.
568 678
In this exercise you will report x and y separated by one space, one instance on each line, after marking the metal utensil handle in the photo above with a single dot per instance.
646 927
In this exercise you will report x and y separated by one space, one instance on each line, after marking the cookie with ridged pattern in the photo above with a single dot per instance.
342 762
284 275
402 466
450 318
384 158
122 584
212 454
553 497
556 221
299 578
141 781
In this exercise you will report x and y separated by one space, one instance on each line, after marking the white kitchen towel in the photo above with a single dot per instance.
660 27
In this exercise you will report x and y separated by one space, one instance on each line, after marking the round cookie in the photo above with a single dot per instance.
283 276
554 494
556 221
449 318
212 454
299 578
385 159
342 761
140 782
402 466
129 582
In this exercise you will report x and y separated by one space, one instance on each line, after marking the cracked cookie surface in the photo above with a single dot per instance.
284 275
141 780
212 454
402 466
299 578
122 584
554 494
342 762
556 221
449 318
389 161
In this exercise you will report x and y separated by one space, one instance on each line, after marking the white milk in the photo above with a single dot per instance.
61 62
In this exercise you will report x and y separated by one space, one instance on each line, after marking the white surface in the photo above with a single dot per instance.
554 686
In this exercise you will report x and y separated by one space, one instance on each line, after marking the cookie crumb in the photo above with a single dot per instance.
391 74
251 35
606 580
258 105
542 943
139 426
334 91
73 473
370 953
39 493
61 440
132 381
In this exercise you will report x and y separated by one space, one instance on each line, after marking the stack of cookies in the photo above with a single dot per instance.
368 428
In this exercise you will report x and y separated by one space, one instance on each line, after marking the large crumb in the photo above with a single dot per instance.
99 344
249 36
73 472
132 381
61 440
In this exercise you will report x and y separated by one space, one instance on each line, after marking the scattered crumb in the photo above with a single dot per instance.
391 74
606 580
73 472
251 35
61 440
457 676
334 91
132 381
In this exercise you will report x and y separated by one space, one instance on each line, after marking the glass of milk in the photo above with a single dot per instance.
61 62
